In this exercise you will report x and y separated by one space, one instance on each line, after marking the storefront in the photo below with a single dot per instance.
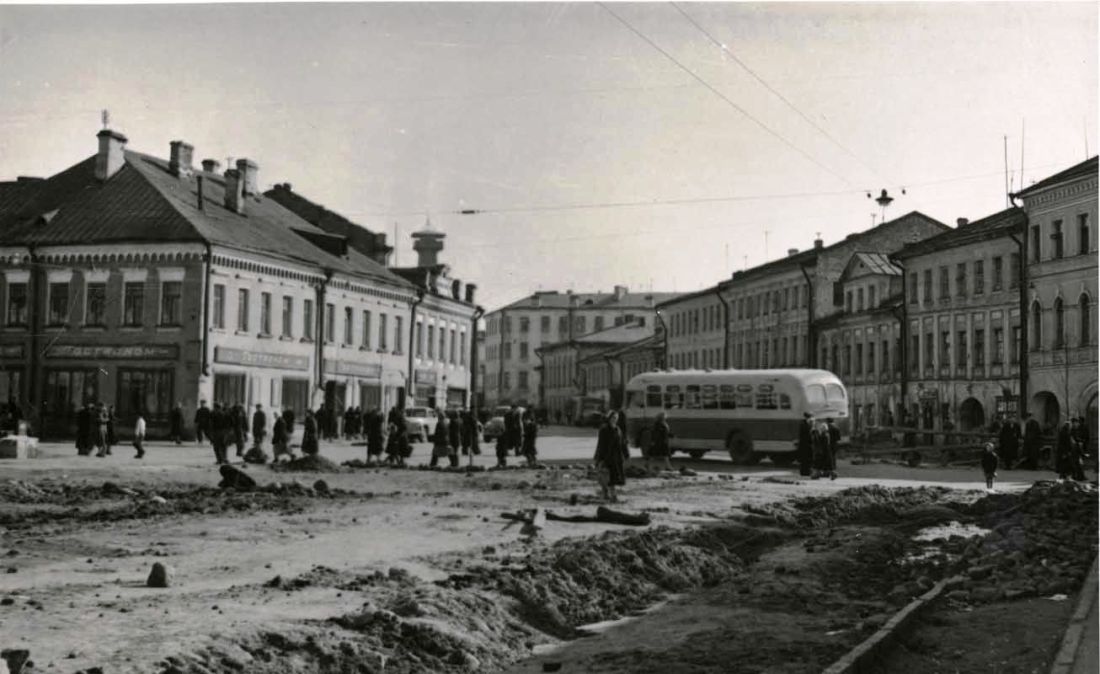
274 380
426 382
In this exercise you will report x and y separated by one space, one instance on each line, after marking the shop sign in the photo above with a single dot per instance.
114 352
11 351
367 370
426 377
260 359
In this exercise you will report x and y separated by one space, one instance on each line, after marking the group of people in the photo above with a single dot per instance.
10 416
226 425
95 430
818 440
520 436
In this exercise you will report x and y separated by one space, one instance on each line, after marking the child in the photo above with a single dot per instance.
989 465
139 436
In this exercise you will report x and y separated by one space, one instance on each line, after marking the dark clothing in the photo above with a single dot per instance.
288 417
610 454
397 446
259 427
530 434
175 424
1063 453
309 436
203 421
1009 440
240 427
83 431
373 427
834 446
469 434
822 458
620 421
513 430
658 440
219 431
455 429
279 438
805 447
1032 440
989 464
441 440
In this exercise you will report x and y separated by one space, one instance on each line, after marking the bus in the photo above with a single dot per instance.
749 413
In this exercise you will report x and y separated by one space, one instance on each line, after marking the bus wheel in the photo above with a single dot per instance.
784 459
740 448
697 453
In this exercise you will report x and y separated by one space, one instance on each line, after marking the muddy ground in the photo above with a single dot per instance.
411 571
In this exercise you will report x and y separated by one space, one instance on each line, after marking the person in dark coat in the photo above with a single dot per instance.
1063 452
621 423
513 430
239 428
112 439
1009 439
102 421
310 445
530 434
288 417
219 431
659 436
471 435
834 447
989 465
175 423
373 429
202 422
610 456
821 449
454 425
83 431
441 442
397 445
280 439
1032 439
806 444
259 426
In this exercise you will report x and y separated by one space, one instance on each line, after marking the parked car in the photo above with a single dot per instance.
420 423
495 426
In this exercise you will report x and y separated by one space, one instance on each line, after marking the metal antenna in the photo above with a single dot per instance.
106 117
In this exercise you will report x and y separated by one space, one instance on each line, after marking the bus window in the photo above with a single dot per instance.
653 397
765 401
674 400
834 393
815 394
637 399
784 401
725 397
710 397
691 400
742 399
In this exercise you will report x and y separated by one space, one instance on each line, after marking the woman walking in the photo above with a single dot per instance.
441 440
658 443
310 446
610 454
530 433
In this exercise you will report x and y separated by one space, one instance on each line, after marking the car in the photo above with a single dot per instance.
494 428
420 423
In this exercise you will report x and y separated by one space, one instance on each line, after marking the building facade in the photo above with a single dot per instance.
515 332
605 374
1061 272
695 324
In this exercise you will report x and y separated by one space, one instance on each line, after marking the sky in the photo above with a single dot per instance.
659 146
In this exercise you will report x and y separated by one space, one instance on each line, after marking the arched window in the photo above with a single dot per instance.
1059 324
1036 326
1085 316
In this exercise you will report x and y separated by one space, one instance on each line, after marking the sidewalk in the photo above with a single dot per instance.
1080 651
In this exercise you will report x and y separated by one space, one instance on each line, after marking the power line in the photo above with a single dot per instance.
763 83
728 101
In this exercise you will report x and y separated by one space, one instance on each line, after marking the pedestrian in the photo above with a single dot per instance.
621 417
112 439
101 421
203 419
280 440
1063 452
989 465
441 440
175 423
821 449
834 447
471 434
806 444
397 445
513 430
139 436
1009 439
376 441
609 458
454 428
218 431
288 417
310 444
83 430
240 427
659 436
259 426
1032 440
530 434
1077 457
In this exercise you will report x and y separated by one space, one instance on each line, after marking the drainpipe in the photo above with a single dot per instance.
479 311
664 330
500 359
1021 245
410 382
725 328
903 348
208 262
322 319
36 378
811 333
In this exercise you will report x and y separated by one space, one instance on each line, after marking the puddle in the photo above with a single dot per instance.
945 531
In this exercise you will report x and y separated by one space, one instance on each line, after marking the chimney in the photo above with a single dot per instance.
427 243
456 289
234 197
620 293
819 244
962 222
792 251
110 158
250 176
471 288
211 165
179 158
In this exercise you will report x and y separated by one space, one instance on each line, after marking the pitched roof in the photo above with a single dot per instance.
990 227
616 334
875 263
1087 167
552 299
361 238
653 341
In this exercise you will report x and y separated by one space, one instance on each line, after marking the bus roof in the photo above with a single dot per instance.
724 376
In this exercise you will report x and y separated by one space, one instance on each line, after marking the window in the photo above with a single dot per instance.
1083 234
859 359
1015 344
960 349
786 299
462 348
507 380
96 311
859 300
945 348
692 398
1014 271
171 300
398 333
1036 326
431 343
998 271
522 350
674 399
960 279
1035 241
815 395
1059 324
979 347
133 300
148 392
382 328
523 380
442 342
599 323
524 324
766 400
544 324
59 303
420 342
349 326
17 304
230 389
740 309
870 358
69 390
914 354
927 285
507 325
653 396
805 296
451 354
265 313
998 346
848 359
871 297
307 319
848 304
784 401
979 277
563 325
1084 317
288 316
242 310
330 323
1056 239
580 325
945 284
219 306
